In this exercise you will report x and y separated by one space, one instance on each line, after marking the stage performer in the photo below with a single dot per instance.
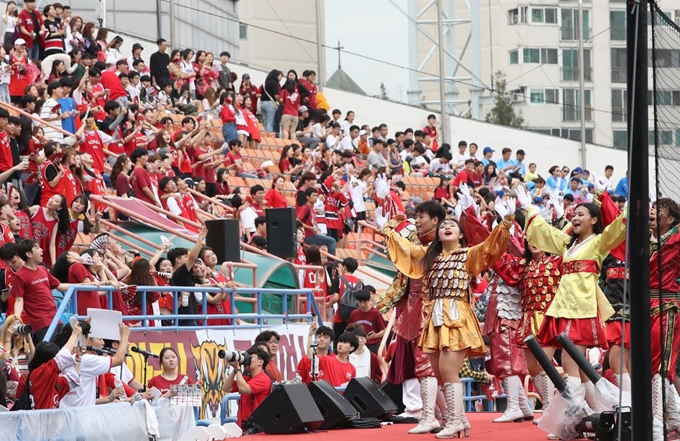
451 331
614 279
579 307
664 271
504 311
411 367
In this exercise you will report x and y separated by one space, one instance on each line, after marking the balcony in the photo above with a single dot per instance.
573 113
619 74
572 73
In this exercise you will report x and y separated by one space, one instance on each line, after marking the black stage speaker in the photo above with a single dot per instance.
370 401
336 410
290 408
394 391
281 230
223 238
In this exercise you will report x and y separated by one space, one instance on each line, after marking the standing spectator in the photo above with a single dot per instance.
345 283
291 103
307 81
224 79
183 262
370 319
307 216
364 361
622 186
135 58
376 158
74 37
270 98
433 131
54 33
67 106
140 180
51 111
10 19
254 388
6 156
159 62
32 28
19 60
32 287
247 88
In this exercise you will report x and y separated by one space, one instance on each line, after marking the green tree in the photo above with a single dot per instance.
503 111
383 92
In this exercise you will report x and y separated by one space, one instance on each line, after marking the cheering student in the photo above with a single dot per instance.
170 375
253 387
336 369
323 336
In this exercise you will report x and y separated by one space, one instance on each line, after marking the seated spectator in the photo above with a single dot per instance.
170 376
254 387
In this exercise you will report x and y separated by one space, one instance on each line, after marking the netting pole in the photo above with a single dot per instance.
638 219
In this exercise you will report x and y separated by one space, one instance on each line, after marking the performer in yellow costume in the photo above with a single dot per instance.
579 307
451 331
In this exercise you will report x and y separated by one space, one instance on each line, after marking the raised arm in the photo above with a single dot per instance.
487 253
406 256
543 236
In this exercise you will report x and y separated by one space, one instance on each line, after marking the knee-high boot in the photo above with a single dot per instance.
513 412
428 393
454 404
545 389
672 406
524 406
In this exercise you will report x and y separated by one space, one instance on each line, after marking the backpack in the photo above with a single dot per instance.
348 300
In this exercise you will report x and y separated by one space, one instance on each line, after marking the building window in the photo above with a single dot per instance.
514 57
619 67
617 25
620 138
544 15
575 134
570 24
665 137
243 31
663 58
543 96
570 67
662 98
619 105
542 56
517 15
571 105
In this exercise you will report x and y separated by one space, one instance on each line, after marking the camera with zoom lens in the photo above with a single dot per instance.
241 357
22 329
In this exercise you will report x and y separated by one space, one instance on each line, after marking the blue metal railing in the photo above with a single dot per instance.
68 306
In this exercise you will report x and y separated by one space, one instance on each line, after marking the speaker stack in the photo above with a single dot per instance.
281 231
296 408
223 238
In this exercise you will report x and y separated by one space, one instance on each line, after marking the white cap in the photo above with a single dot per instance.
19 42
362 132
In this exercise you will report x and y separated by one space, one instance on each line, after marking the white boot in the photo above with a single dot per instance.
454 406
672 406
440 409
623 381
428 393
657 398
512 391
524 406
545 389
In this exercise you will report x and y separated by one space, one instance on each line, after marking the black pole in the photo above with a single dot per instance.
638 219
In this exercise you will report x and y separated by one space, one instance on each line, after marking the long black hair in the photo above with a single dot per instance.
87 225
61 267
595 212
436 247
44 352
63 216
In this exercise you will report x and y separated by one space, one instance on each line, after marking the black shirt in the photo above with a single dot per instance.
158 64
182 277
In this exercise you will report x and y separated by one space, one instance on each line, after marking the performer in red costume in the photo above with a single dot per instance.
504 311
410 365
664 271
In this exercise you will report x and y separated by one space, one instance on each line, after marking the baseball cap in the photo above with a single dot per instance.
190 182
538 199
499 193
20 42
578 170
488 150
246 76
362 132
303 109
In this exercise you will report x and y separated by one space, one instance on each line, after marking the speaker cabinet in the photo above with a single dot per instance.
336 410
223 238
370 401
281 223
290 408
394 391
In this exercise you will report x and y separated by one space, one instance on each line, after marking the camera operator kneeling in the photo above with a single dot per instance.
254 385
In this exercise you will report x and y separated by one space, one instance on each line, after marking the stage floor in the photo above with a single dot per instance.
482 429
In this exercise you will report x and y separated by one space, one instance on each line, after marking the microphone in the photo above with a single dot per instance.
143 352
100 351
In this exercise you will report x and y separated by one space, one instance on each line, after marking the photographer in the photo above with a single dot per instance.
253 387
16 347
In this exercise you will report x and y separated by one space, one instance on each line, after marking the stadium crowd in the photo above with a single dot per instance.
178 134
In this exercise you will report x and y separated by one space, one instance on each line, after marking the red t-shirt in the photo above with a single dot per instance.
260 386
35 287
92 144
138 180
275 199
26 20
335 371
308 217
111 81
231 158
47 386
77 273
441 193
5 153
291 102
163 384
370 321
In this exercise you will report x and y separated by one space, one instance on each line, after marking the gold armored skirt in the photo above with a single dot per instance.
450 325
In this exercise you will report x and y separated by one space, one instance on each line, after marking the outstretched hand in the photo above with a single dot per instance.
597 185
382 186
464 198
381 220
522 196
